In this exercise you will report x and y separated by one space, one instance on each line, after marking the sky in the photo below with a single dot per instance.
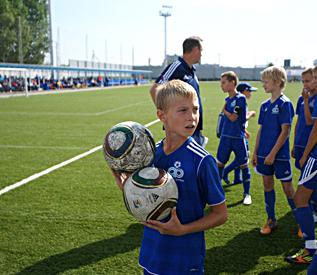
243 33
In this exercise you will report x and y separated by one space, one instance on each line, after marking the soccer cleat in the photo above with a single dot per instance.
269 227
247 199
301 257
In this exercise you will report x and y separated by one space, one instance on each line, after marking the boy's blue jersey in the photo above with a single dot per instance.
237 105
313 152
179 69
272 116
196 175
303 130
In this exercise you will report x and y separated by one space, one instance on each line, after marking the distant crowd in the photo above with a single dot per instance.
17 83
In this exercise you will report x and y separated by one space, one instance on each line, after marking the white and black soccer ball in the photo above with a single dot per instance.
150 194
128 146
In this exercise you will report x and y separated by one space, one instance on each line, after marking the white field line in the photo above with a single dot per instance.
76 114
57 166
65 91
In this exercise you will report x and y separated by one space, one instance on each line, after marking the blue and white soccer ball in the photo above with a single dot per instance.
150 194
128 146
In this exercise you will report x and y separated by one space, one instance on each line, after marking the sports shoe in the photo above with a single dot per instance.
204 141
269 227
247 199
301 257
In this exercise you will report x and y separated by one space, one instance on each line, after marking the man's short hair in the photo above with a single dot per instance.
276 74
231 76
172 89
190 43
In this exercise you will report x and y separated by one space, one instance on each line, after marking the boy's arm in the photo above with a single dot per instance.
120 178
255 156
279 143
295 131
216 216
312 141
153 91
308 116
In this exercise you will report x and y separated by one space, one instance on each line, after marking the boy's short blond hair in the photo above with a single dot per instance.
307 71
276 74
231 76
172 89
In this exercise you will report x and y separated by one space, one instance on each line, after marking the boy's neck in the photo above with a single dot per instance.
276 94
232 93
171 144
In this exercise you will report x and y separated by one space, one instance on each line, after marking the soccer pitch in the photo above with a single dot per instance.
73 220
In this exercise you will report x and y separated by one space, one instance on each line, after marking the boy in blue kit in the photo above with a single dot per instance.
272 154
176 246
246 89
233 137
306 186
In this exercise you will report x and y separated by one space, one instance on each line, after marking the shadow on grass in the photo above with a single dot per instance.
243 252
88 254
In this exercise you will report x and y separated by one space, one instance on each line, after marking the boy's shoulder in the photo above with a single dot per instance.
283 98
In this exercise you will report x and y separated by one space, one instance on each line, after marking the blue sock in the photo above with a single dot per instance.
270 204
220 170
246 176
234 164
237 175
312 269
304 218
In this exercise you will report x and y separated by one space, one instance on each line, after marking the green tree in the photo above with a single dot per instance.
34 30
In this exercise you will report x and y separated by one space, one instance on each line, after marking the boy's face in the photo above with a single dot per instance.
247 94
307 80
269 86
314 81
226 85
181 117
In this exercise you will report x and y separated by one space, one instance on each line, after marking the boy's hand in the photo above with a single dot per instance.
252 113
269 160
172 227
293 153
305 94
302 161
254 160
120 178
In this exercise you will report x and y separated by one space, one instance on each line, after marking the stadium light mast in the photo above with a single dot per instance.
165 12
50 29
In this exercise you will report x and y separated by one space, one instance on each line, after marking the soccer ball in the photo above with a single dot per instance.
128 146
150 194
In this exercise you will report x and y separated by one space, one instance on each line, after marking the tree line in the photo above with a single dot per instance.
24 33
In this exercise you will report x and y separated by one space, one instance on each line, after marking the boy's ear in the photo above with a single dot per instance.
160 114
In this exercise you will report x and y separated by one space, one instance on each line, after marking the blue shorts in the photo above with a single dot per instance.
237 145
308 176
298 153
280 168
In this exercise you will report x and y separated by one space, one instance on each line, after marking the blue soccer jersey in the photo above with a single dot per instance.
313 152
196 175
272 116
179 69
303 130
237 105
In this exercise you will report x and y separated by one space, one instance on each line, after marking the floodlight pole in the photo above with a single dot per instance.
165 13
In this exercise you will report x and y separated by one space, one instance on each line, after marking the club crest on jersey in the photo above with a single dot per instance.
275 110
176 171
312 103
233 103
